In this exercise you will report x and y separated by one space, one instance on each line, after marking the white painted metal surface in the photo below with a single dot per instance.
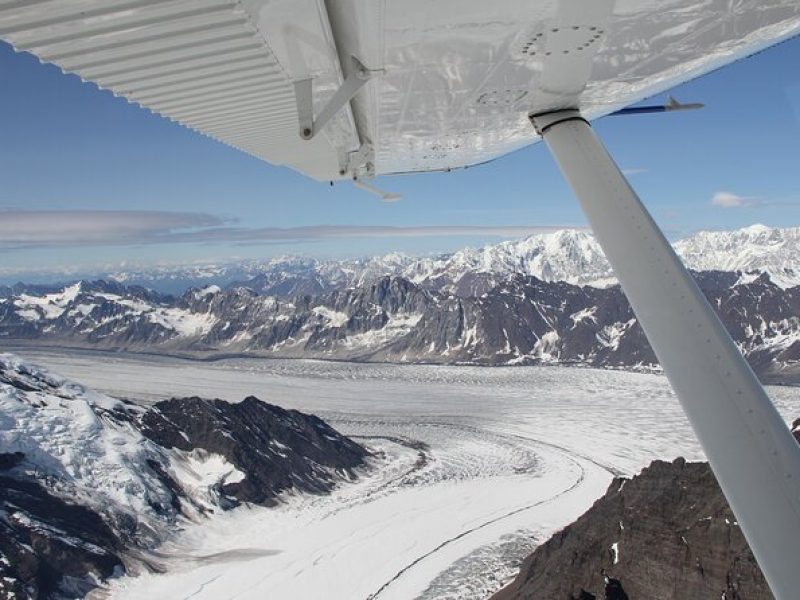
459 76
752 452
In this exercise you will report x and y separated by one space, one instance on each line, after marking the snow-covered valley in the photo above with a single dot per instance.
480 464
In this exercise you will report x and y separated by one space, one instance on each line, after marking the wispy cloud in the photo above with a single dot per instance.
634 171
321 232
28 229
34 229
730 200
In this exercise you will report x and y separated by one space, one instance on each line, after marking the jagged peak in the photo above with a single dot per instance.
757 247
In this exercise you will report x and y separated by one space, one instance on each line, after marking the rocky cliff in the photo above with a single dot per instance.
666 533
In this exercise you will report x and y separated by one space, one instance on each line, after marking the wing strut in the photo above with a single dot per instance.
751 450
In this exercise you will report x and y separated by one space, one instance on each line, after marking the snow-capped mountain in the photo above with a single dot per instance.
108 316
566 255
89 483
755 248
576 257
72 437
509 303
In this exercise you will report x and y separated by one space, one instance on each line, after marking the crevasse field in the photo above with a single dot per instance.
476 466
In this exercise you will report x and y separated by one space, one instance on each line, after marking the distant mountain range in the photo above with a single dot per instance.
566 255
89 483
520 302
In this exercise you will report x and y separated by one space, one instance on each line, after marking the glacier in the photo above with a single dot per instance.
481 463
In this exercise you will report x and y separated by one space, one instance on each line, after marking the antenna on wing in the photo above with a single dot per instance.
669 106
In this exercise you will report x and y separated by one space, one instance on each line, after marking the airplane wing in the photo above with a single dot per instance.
452 82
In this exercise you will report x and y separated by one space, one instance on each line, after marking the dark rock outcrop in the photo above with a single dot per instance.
666 533
276 449
50 549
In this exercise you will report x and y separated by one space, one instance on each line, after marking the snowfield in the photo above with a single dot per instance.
474 466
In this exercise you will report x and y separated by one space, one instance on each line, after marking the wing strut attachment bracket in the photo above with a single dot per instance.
304 97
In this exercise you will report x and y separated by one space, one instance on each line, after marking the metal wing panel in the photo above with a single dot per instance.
451 93
204 63
462 75
676 41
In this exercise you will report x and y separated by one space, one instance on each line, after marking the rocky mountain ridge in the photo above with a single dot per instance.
89 484
757 248
522 320
665 533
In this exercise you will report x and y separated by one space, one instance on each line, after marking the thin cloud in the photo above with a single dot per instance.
326 232
634 171
29 229
729 200
36 229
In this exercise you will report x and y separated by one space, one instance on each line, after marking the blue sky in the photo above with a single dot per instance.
65 145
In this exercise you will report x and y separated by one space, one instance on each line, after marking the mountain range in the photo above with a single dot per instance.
566 255
520 302
522 320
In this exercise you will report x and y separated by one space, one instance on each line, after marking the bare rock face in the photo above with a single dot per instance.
666 533
50 548
276 449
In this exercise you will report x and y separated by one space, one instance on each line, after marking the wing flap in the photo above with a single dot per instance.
203 63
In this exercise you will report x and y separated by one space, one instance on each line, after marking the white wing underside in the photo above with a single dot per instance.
457 81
